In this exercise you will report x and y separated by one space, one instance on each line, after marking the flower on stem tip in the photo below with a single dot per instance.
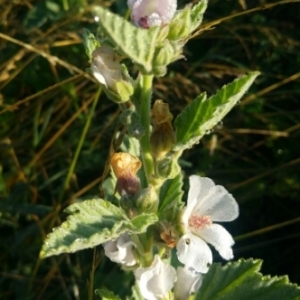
148 13
120 250
157 280
206 203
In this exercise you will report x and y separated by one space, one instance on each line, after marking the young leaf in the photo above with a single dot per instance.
197 14
92 222
136 43
242 280
170 197
202 115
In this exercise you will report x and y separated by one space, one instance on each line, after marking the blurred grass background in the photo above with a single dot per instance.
55 134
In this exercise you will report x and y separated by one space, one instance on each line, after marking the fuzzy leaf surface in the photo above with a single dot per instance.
197 13
136 43
203 114
170 198
90 223
242 280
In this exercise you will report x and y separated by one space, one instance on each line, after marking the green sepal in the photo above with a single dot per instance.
197 13
179 27
186 21
241 280
135 43
201 115
90 43
90 223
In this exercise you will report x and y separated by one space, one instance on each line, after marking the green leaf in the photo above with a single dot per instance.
242 280
92 222
197 14
136 43
171 198
106 294
202 115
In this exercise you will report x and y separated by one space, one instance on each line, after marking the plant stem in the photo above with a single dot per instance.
80 144
146 93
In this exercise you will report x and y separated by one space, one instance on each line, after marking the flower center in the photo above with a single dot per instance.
198 222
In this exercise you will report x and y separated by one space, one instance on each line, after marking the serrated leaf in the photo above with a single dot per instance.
197 13
242 280
136 43
92 222
171 194
202 115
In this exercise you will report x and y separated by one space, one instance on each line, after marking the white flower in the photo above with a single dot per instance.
148 13
206 203
156 281
106 66
120 251
188 282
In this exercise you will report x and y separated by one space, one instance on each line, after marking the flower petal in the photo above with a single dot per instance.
157 280
199 188
148 13
120 251
219 237
188 282
218 204
194 253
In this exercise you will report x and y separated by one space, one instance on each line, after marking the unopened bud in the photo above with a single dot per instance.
125 167
162 137
167 167
107 69
147 200
179 27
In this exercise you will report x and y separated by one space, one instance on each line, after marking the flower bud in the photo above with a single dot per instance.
147 200
121 250
167 167
179 27
107 69
162 137
125 167
149 13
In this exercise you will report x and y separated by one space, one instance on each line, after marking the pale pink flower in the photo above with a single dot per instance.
148 13
206 203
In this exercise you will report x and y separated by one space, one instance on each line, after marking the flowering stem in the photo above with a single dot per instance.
146 92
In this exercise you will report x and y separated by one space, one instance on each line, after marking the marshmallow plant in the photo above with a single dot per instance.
144 223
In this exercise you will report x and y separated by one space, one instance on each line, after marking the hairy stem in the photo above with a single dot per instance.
145 105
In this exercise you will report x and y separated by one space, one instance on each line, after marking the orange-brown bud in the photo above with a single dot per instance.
125 167
162 138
